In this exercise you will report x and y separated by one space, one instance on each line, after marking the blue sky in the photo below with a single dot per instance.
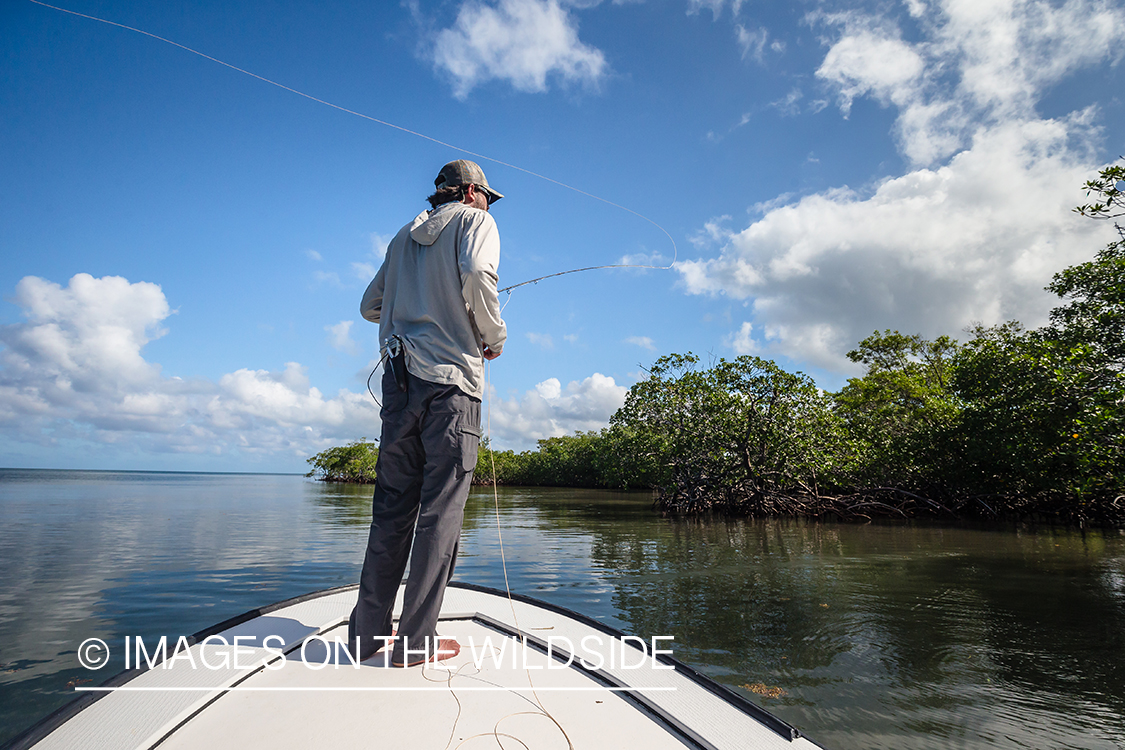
185 246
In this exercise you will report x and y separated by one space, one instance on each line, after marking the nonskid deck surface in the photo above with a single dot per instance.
611 694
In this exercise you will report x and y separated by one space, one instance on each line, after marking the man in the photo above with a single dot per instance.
436 304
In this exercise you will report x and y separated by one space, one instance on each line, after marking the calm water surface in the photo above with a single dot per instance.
881 636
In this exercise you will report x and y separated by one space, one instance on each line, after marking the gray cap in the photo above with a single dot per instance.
465 172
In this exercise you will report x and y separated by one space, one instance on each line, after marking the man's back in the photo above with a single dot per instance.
436 294
437 290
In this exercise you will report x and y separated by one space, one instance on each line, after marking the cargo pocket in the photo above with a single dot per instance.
394 400
469 438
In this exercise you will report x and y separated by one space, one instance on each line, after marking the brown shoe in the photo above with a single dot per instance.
447 649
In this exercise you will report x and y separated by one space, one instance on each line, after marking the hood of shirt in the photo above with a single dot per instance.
428 225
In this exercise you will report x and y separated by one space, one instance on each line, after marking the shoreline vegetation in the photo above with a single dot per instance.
1013 424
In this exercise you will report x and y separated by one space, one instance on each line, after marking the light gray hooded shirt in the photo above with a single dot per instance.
437 290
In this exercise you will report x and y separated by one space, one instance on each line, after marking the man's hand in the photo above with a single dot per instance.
489 354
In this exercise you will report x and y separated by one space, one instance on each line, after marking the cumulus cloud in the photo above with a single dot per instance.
543 340
980 63
80 346
523 42
974 231
928 252
867 63
642 341
74 369
339 337
549 410
742 342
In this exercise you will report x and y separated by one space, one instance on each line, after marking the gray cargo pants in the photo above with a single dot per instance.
427 454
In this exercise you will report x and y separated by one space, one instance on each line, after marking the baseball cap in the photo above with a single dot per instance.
465 172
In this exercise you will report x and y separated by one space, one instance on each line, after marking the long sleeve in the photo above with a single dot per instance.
372 304
479 259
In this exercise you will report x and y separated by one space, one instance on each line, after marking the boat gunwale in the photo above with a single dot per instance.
48 724
780 726
64 713
600 675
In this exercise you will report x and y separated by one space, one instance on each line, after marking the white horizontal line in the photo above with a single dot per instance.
367 689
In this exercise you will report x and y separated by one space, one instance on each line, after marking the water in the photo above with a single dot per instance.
881 636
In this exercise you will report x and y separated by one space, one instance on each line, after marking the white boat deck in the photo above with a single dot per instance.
281 698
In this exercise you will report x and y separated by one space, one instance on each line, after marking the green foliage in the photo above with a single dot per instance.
585 459
1011 426
508 464
1045 409
570 461
1111 196
900 409
1094 318
354 462
741 436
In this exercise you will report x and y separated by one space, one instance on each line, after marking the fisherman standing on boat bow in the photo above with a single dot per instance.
438 311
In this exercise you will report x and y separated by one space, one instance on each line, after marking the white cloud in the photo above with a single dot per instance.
787 105
742 342
543 340
74 370
84 339
981 63
712 232
549 410
642 341
1010 51
523 42
715 6
550 389
752 42
339 337
978 226
868 63
655 260
364 271
929 252
916 8
379 243
328 277
314 255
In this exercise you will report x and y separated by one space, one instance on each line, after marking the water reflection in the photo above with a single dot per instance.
893 636
341 504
